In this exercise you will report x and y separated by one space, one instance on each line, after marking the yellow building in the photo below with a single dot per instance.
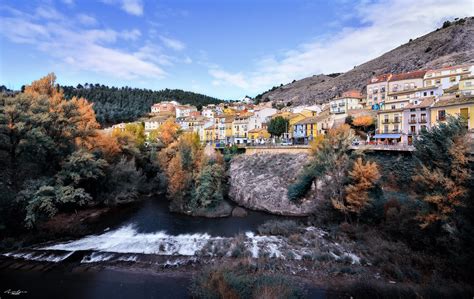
457 105
210 134
258 135
466 86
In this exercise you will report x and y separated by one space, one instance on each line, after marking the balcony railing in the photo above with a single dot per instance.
385 121
412 121
396 120
422 121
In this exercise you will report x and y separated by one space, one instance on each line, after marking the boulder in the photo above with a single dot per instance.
260 182
239 212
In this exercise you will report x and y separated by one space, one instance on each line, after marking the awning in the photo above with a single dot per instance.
382 136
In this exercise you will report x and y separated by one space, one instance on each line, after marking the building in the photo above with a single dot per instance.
208 133
154 123
377 90
401 90
466 86
184 110
293 118
224 129
240 128
260 116
164 107
416 118
448 76
119 127
209 112
349 100
454 105
305 130
258 136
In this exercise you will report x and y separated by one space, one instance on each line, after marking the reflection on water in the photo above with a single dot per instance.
154 216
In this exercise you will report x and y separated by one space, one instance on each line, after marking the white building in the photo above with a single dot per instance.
349 100
184 110
447 76
260 116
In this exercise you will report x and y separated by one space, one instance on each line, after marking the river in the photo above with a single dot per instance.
149 235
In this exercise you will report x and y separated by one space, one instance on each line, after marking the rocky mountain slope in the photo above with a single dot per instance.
453 44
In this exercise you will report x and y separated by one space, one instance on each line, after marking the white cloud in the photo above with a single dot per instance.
172 43
386 25
86 20
81 49
48 12
68 2
133 7
131 34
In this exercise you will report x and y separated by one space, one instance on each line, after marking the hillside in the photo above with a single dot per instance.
114 105
453 44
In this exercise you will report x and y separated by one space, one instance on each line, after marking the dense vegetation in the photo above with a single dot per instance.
278 125
416 204
114 105
54 158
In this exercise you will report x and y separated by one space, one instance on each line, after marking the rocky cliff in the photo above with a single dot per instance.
260 182
451 45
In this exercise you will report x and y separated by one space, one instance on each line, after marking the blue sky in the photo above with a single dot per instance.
225 48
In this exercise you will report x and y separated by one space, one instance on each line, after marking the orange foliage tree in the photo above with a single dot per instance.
363 121
363 177
168 132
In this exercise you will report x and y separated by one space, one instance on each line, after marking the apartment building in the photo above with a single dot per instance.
377 91
349 100
416 118
448 76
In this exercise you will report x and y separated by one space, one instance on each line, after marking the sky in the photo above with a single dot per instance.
222 48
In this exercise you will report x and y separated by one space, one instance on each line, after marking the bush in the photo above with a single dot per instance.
241 282
279 227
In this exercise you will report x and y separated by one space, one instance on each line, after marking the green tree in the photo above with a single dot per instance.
278 125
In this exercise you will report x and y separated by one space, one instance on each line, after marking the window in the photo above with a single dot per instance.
412 110
412 85
385 129
452 79
441 115
468 84
423 109
438 81
412 129
432 92
402 105
406 86
395 97
425 94
395 128
382 89
464 112
395 87
393 107
370 90
423 128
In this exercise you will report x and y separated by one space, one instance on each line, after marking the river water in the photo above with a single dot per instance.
149 230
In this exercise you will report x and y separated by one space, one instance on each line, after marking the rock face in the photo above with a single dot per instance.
239 212
260 182
446 46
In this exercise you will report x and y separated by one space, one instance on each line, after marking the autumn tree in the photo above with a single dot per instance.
168 132
363 122
362 177
444 177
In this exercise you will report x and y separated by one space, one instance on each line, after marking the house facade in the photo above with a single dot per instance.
349 100
184 110
416 118
377 91
448 76
454 105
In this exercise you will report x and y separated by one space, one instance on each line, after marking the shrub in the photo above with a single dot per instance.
279 227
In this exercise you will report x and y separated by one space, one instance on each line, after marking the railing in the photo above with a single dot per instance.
422 121
385 121
396 120
412 121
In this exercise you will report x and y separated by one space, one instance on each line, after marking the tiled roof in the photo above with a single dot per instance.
450 68
410 75
257 130
380 78
454 100
425 103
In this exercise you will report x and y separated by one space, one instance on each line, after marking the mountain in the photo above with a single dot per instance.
450 45
113 105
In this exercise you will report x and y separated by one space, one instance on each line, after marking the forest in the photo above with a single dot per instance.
114 105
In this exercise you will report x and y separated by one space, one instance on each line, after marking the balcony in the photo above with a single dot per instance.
396 131
441 118
386 121
422 120
396 120
412 121
341 104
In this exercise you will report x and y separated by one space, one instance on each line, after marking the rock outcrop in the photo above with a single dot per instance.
260 182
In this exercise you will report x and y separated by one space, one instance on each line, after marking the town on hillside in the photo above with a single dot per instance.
390 114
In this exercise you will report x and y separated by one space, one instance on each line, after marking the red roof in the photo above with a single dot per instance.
409 75
380 78
353 93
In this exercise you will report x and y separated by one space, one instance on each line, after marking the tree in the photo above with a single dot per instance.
168 132
278 126
363 177
445 176
363 122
